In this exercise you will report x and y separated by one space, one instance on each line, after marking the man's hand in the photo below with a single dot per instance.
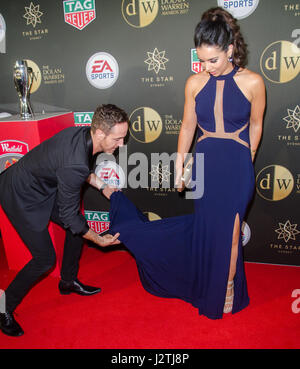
108 240
103 241
108 191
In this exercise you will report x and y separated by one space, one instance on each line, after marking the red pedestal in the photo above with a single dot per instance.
16 138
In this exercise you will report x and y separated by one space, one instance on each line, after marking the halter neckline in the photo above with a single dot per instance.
228 75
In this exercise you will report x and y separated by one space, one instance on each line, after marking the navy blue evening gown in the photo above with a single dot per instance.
188 256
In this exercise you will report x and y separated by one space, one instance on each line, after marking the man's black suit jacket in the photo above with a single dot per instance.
51 174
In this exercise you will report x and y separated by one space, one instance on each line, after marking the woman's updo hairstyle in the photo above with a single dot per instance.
218 28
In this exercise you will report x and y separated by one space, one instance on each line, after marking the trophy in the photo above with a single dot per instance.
23 78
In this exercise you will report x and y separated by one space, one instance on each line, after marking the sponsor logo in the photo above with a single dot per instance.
10 152
172 125
280 61
146 125
37 76
160 173
98 221
52 75
33 16
79 13
292 8
292 123
274 183
139 13
142 13
111 173
174 7
293 119
239 8
156 62
246 233
83 118
195 63
102 70
286 233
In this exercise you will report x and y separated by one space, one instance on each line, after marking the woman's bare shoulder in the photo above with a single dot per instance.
196 82
249 76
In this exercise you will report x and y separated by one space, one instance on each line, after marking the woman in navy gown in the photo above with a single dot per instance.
198 257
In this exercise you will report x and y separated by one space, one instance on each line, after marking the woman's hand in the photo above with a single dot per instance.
178 176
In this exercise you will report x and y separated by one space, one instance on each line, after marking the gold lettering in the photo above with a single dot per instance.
270 63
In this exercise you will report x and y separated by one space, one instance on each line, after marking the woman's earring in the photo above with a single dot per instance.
230 59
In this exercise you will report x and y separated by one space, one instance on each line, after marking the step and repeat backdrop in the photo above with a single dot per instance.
137 54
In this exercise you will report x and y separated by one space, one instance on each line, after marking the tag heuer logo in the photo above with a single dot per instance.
98 221
83 118
79 13
195 63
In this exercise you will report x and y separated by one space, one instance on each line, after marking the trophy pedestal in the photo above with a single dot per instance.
17 137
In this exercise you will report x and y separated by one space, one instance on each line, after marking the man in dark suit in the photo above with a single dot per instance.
45 185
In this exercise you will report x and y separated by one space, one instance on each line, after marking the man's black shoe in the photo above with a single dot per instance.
9 326
66 288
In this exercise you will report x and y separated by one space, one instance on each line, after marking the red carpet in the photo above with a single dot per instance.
124 316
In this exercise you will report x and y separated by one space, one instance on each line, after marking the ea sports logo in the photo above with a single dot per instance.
139 13
146 125
280 61
274 182
102 70
239 9
111 173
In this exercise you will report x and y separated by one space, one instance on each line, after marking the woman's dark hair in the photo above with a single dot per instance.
219 28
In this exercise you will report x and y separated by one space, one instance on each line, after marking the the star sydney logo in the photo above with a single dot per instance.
287 231
156 60
293 118
160 173
79 13
32 15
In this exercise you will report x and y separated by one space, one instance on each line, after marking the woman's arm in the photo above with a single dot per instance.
187 129
258 103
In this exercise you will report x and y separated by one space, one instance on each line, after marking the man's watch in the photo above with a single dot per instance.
103 186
